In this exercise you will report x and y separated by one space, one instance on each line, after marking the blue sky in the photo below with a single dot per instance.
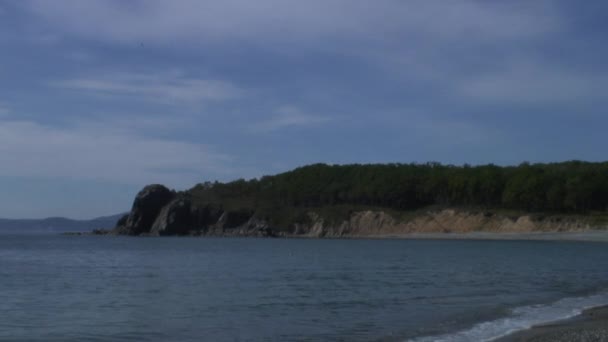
99 98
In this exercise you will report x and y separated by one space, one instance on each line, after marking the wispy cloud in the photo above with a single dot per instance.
4 110
98 151
136 124
287 117
449 133
159 87
411 39
80 56
161 21
534 84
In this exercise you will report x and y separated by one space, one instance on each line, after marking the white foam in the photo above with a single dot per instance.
523 318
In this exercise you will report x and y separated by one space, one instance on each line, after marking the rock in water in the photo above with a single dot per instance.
146 208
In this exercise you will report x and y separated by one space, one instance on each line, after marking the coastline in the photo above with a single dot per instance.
589 236
591 325
583 236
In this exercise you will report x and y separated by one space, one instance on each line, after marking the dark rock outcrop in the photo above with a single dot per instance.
122 221
234 219
207 215
175 218
160 211
267 232
146 208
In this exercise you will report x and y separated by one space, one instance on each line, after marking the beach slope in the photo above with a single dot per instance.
591 326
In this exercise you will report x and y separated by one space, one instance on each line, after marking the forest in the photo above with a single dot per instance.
573 186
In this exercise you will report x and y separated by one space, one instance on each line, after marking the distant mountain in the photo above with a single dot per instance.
56 225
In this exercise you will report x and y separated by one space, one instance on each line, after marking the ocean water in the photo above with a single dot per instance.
88 288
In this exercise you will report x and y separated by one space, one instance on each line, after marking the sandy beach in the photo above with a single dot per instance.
591 326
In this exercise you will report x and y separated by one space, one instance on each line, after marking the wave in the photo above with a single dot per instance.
522 318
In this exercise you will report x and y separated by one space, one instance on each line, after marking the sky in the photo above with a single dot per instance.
99 98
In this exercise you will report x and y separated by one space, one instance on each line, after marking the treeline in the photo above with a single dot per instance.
570 186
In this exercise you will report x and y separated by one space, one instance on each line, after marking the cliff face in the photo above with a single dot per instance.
159 211
379 224
146 208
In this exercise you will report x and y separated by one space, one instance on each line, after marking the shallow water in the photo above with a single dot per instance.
70 288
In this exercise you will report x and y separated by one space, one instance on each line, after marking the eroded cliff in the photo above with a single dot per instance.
159 211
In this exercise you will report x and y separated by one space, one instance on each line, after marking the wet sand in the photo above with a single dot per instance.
591 326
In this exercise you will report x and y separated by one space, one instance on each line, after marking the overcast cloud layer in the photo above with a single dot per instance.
99 98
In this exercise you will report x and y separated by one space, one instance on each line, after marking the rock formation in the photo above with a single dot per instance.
174 219
146 207
160 211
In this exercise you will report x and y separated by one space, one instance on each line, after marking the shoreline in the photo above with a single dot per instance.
588 235
591 325
583 236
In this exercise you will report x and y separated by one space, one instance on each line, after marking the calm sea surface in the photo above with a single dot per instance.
70 288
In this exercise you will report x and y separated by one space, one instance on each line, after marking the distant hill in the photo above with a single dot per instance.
55 225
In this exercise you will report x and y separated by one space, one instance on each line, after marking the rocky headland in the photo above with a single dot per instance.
159 211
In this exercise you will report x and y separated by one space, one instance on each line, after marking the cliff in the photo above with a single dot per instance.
381 224
159 211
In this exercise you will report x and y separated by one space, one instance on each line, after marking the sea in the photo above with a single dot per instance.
102 288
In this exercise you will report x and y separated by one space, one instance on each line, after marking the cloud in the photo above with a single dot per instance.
48 39
287 117
80 56
424 42
3 110
99 151
159 21
447 133
158 87
534 84
137 124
